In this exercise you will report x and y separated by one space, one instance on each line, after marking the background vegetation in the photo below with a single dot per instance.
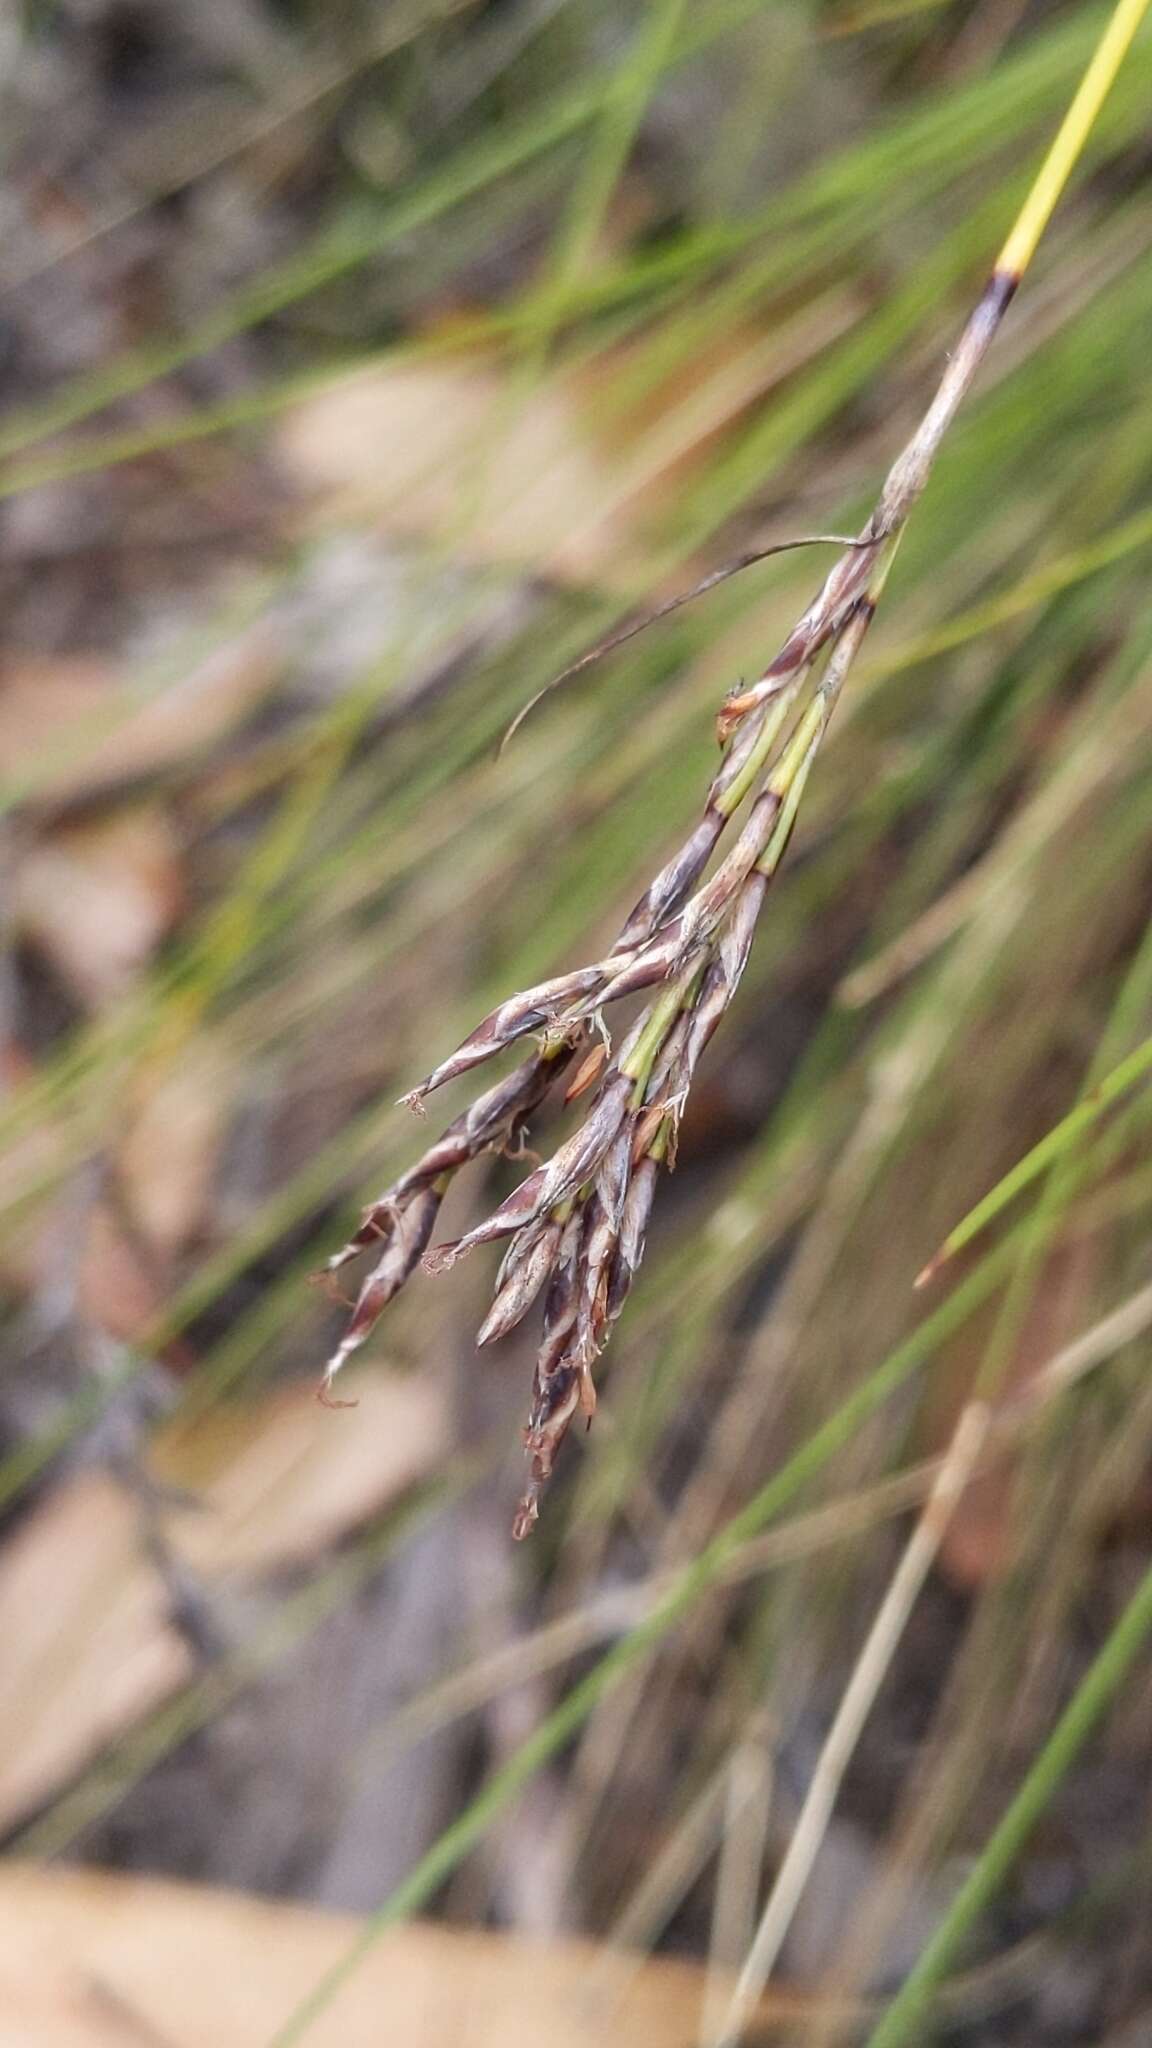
365 362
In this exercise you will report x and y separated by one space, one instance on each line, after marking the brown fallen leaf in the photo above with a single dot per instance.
32 1160
91 1960
177 1120
88 1646
78 726
282 1480
118 1236
98 897
452 450
120 1287
167 1127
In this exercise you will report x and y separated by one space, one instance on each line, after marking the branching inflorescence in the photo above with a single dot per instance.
576 1225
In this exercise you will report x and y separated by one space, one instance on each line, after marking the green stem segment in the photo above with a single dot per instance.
1050 1148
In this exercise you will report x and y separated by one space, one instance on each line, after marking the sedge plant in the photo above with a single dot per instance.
574 1229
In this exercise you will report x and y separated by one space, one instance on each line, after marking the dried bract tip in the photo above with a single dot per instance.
589 1070
928 1273
527 1514
324 1392
556 1401
328 1285
443 1257
732 713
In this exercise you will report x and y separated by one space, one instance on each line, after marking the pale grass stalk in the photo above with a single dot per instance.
678 1863
1098 1344
871 1668
748 1807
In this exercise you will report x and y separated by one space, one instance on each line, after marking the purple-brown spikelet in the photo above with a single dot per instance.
578 1222
410 1226
525 1268
674 882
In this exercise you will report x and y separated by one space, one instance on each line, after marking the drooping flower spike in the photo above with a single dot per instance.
576 1225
